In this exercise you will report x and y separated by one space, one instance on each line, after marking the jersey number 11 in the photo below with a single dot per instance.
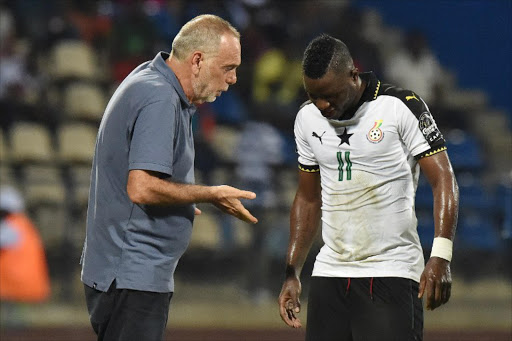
344 162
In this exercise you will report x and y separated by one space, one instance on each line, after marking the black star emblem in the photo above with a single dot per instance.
344 137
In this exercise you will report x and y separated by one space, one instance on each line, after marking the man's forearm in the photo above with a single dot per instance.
304 224
146 188
446 208
171 193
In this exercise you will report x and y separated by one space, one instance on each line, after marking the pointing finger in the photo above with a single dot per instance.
246 216
247 195
243 214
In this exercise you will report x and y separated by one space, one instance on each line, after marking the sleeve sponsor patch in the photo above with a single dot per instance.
429 129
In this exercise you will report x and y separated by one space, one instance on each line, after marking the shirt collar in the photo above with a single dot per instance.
370 93
372 86
159 64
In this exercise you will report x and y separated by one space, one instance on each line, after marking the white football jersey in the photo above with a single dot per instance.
369 173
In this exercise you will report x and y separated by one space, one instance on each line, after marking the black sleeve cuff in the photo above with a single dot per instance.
431 151
309 169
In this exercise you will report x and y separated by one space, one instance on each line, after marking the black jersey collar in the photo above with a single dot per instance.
370 93
372 86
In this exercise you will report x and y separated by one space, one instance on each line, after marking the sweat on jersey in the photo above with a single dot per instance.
369 174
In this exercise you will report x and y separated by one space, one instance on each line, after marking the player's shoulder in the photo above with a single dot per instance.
308 117
408 97
307 113
306 107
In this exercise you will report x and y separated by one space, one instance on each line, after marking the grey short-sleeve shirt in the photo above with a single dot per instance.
147 125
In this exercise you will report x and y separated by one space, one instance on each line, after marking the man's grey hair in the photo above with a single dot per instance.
202 33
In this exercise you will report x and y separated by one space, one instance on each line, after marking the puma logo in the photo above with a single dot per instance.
407 98
318 137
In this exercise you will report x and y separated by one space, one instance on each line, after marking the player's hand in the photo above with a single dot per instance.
197 211
289 304
436 282
227 199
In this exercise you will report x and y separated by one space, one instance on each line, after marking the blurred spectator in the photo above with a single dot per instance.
259 151
18 88
133 38
365 53
415 67
277 84
92 22
23 268
167 17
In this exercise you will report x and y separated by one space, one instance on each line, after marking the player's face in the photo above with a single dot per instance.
218 71
334 93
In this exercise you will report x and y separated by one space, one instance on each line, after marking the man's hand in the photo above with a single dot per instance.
227 199
436 280
289 304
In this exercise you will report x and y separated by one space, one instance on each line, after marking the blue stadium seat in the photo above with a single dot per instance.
425 227
424 198
464 151
230 109
504 205
472 193
477 232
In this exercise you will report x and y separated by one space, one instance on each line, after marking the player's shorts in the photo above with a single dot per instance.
356 309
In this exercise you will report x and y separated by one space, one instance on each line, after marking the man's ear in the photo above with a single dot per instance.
354 74
196 62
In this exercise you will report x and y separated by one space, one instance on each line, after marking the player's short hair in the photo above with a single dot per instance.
325 53
201 33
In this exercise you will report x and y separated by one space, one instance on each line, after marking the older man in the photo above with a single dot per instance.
141 203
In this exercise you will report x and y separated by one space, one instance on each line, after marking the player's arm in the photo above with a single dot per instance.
436 279
148 188
304 224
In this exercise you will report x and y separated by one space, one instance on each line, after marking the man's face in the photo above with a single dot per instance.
334 93
218 70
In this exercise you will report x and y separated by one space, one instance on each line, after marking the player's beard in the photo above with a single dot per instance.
201 88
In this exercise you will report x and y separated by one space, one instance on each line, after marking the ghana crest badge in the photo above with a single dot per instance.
375 135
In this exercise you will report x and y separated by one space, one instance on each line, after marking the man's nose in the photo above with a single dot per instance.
322 104
231 79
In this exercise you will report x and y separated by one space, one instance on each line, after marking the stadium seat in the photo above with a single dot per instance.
464 151
4 150
476 232
45 196
80 179
7 175
472 194
43 185
72 59
31 142
288 179
52 223
76 143
230 109
225 138
84 101
504 206
205 234
424 198
425 227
